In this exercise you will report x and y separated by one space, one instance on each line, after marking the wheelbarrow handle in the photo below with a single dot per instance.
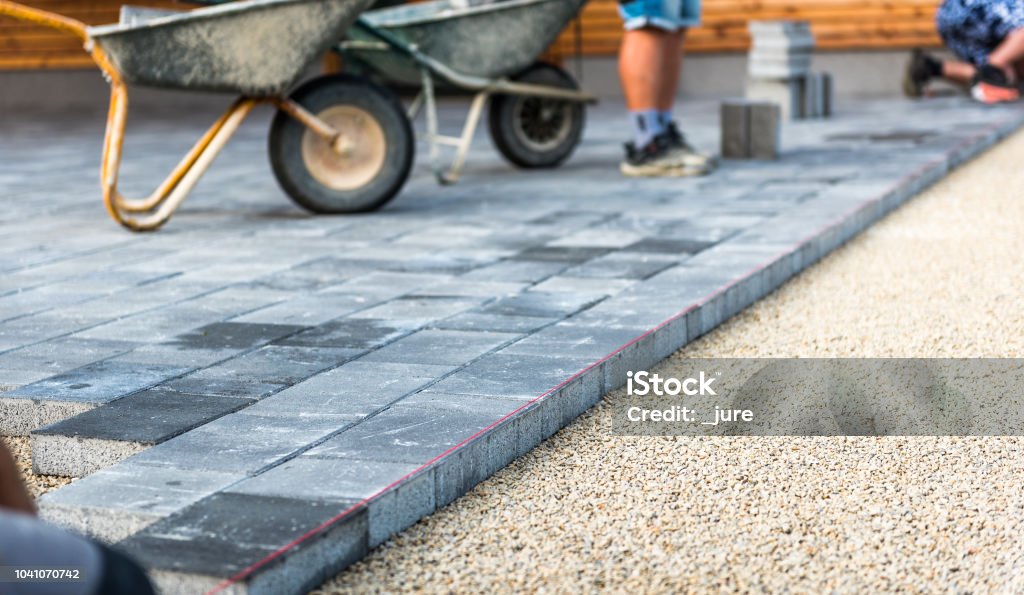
44 18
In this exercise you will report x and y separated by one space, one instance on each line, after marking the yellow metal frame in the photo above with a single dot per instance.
148 214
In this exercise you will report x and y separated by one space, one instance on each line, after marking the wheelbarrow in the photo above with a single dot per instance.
488 47
336 139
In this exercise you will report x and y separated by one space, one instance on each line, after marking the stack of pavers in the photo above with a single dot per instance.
779 70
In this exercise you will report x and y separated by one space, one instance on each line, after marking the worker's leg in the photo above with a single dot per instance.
1009 53
959 72
643 74
672 61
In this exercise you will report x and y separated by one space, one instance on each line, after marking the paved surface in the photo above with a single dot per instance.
771 514
248 351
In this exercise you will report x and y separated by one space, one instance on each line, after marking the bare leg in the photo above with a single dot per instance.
642 69
1008 53
961 73
13 495
672 62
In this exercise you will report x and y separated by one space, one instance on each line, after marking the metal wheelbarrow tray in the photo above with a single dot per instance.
256 48
485 39
489 47
338 144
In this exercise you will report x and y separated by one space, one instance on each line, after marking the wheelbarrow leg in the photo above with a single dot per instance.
433 135
159 206
466 141
462 143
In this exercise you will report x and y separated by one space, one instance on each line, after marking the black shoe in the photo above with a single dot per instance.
991 85
659 158
921 68
684 151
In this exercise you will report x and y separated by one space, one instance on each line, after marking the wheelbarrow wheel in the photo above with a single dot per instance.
536 132
368 172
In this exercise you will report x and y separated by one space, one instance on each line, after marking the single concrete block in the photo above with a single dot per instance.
351 333
474 321
213 540
405 435
113 432
512 376
277 364
735 129
351 392
116 502
243 443
765 130
98 383
441 347
541 304
751 129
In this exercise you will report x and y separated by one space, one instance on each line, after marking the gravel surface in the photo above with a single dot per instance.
587 511
37 484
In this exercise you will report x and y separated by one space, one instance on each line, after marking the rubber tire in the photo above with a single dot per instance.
503 121
317 95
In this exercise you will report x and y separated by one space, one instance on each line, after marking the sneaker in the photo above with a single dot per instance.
656 159
991 85
691 158
921 68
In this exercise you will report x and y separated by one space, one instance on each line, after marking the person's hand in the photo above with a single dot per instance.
13 495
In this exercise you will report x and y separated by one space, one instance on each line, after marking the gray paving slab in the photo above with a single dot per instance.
406 434
70 393
115 503
193 550
354 390
441 347
242 442
348 333
275 364
363 347
112 432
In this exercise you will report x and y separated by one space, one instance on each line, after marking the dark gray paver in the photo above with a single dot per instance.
64 395
112 432
319 320
194 550
235 335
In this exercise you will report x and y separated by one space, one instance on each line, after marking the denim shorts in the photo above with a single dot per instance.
669 15
971 29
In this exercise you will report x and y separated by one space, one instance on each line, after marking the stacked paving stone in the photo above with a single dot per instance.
249 374
779 70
